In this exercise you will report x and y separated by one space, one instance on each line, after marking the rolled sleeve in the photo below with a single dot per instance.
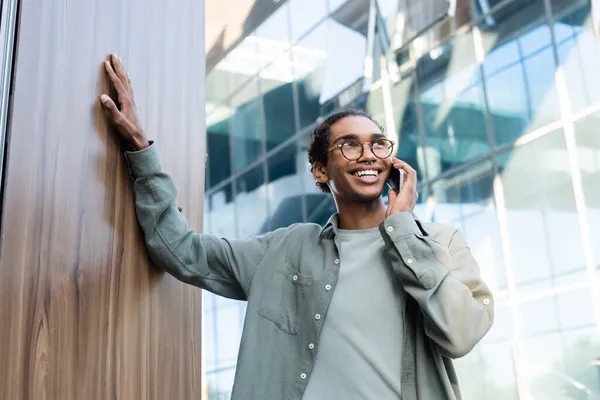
144 162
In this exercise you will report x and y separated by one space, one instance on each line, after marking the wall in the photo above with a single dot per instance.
84 313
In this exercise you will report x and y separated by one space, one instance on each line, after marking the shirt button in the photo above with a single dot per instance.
486 301
295 277
337 261
303 376
318 317
328 287
390 228
410 261
311 346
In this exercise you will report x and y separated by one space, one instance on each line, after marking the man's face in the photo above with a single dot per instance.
361 180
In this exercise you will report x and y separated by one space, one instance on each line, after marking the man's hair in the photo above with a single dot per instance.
319 139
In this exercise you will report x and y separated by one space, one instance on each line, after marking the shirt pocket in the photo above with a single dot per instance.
284 300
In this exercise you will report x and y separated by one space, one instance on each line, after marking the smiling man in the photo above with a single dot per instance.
374 305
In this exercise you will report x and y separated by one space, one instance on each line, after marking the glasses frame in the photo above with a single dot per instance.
362 148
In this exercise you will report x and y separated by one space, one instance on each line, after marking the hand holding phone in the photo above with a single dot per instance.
396 179
403 195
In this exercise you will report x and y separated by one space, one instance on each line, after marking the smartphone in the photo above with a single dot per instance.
396 179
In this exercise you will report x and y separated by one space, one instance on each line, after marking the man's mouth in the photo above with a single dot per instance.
367 173
367 176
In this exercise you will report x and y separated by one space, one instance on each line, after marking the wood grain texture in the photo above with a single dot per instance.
83 313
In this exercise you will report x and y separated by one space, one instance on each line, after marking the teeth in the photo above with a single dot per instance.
368 172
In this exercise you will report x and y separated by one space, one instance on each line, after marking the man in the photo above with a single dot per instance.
372 306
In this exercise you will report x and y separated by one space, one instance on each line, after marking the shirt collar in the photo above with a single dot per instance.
330 230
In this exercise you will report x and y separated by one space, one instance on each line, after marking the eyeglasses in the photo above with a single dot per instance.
353 150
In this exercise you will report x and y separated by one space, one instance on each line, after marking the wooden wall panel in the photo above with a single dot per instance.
83 314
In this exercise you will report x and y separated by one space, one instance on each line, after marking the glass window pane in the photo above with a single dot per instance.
225 383
229 334
326 61
493 365
278 101
285 187
466 201
543 226
275 31
406 127
306 14
588 156
208 339
218 89
561 364
212 386
246 126
335 4
251 202
218 148
519 70
578 54
453 105
221 213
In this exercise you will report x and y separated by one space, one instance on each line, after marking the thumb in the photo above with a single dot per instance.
110 107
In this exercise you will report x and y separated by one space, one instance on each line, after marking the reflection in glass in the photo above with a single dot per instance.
208 334
543 227
229 334
251 202
225 383
275 31
221 214
246 126
560 364
305 15
409 148
278 101
285 188
218 149
588 157
466 201
453 105
578 52
519 70
488 372
329 59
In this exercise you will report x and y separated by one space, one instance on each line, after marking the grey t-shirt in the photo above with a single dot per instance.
360 350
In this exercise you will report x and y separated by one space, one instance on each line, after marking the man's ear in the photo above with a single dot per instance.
320 172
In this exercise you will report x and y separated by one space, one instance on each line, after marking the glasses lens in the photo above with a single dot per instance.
351 149
382 148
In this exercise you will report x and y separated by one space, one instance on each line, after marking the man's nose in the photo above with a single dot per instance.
367 153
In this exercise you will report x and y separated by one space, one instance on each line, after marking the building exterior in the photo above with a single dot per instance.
497 106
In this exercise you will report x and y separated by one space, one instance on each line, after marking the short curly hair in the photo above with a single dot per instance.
319 139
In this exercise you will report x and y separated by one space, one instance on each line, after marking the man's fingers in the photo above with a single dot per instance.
116 81
122 74
118 67
111 109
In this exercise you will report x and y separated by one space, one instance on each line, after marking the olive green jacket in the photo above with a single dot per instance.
288 277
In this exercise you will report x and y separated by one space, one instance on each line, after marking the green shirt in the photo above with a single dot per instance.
288 277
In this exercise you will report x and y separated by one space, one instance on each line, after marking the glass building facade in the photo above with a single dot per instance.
498 109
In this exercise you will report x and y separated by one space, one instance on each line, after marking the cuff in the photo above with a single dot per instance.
401 224
144 162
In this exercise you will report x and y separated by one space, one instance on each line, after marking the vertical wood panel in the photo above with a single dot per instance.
83 314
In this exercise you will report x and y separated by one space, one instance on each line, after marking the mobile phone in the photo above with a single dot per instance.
396 179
